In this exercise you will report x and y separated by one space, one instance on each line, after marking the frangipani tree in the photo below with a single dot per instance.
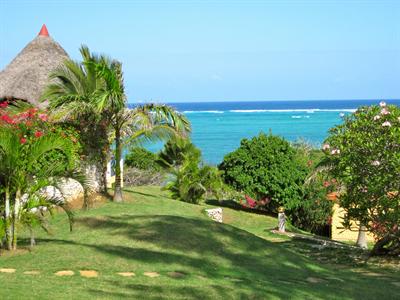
364 156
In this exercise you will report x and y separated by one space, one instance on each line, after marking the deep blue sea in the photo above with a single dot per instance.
218 127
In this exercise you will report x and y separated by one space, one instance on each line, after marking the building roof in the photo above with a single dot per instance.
27 75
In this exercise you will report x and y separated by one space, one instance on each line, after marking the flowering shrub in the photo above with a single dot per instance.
32 124
34 154
364 155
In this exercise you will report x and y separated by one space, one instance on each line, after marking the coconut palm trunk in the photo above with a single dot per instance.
118 155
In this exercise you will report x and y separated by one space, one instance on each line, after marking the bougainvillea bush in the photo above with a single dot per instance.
34 154
363 154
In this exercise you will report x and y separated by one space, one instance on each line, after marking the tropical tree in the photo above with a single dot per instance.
143 124
97 85
73 95
363 154
33 160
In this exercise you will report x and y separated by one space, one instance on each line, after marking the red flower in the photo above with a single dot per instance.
327 183
22 140
3 104
7 119
38 134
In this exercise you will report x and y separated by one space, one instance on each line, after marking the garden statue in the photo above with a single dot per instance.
281 219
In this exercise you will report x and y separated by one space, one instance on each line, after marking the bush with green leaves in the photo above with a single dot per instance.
142 159
315 210
363 154
266 166
190 180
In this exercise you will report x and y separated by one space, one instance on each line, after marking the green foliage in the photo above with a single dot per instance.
315 210
190 180
34 154
142 159
266 166
176 152
364 156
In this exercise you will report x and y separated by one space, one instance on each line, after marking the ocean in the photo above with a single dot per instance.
218 127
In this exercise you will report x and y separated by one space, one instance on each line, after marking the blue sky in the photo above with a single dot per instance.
182 51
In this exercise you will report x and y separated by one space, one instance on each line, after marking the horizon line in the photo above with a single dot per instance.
291 100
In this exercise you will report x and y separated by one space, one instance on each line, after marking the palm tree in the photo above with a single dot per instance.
94 90
73 94
144 123
25 172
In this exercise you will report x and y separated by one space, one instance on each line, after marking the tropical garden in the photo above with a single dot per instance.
88 123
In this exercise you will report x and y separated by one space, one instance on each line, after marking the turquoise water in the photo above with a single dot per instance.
219 133
218 127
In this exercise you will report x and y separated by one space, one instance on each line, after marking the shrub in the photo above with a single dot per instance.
266 166
190 181
315 210
142 159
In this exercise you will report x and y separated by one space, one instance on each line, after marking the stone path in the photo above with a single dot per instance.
94 274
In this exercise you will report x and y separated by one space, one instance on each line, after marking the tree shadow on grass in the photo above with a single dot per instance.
237 206
140 193
234 260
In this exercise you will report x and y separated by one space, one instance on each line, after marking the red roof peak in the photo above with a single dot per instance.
43 31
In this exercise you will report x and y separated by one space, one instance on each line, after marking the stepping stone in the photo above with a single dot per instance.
64 273
176 274
5 270
314 280
89 273
126 274
32 272
151 274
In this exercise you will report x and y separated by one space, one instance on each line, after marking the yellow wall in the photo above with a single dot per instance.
338 231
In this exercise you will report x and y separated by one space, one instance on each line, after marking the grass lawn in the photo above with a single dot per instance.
240 259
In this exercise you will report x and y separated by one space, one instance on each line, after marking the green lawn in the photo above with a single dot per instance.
240 259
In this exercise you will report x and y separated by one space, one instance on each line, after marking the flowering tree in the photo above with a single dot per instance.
34 155
364 156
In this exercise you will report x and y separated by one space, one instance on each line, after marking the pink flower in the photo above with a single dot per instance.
384 111
22 140
377 117
376 163
382 104
335 151
3 104
387 124
326 147
38 134
43 117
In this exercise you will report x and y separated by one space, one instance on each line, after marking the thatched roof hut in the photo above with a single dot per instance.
27 75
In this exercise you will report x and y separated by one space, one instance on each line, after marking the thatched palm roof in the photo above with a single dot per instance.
27 75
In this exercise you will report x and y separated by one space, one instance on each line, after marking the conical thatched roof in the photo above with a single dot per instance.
27 75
